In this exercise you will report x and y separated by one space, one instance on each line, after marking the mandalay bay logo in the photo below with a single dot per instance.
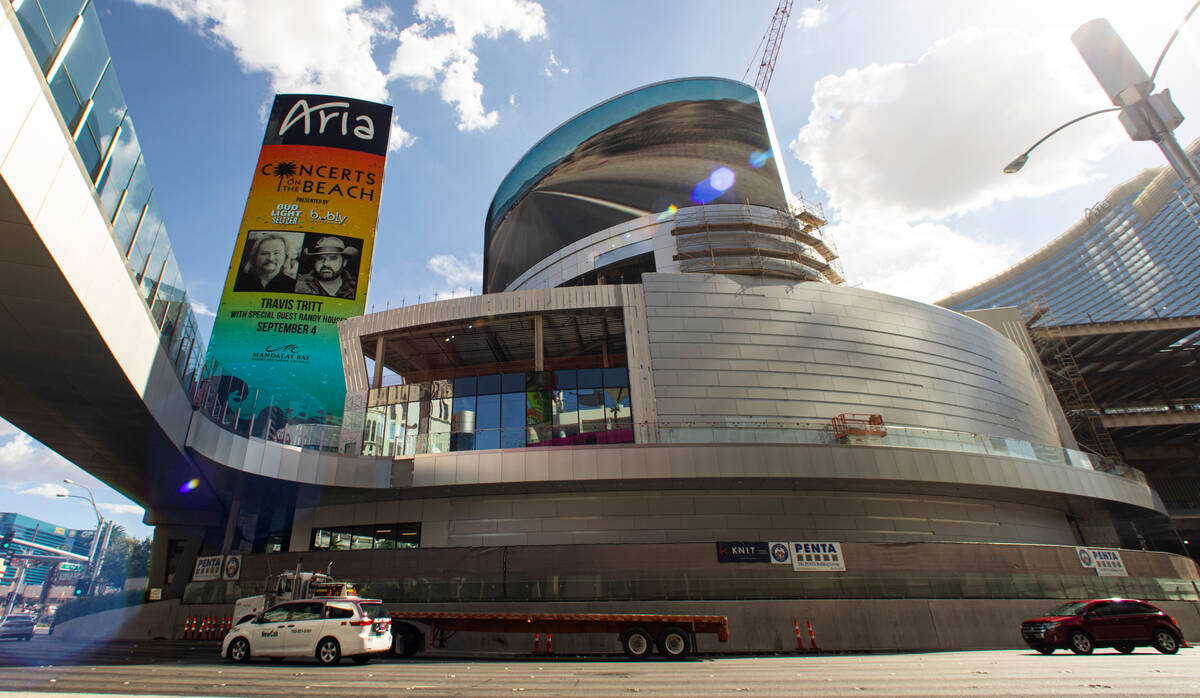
289 353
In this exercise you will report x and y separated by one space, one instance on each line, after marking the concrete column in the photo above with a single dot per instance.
377 380
231 524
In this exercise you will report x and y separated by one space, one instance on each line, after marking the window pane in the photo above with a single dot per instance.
321 540
339 540
463 386
488 384
408 535
462 424
88 152
512 410
616 377
108 110
64 97
60 16
616 408
135 203
512 382
591 409
412 424
120 167
154 265
566 414
512 437
385 537
166 292
363 538
590 378
88 54
564 380
36 32
487 415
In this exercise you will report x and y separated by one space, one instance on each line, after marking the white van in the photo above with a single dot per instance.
326 629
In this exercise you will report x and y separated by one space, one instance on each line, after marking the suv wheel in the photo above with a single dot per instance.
329 652
1080 642
1165 641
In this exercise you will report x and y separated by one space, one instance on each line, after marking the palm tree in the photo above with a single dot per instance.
284 170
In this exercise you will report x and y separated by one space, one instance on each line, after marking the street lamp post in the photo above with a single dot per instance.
1145 116
99 540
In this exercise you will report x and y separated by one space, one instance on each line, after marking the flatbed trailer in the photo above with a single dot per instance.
673 635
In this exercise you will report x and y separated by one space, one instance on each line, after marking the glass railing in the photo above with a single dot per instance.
259 416
823 432
706 587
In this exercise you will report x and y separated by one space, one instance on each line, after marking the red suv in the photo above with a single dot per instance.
1122 624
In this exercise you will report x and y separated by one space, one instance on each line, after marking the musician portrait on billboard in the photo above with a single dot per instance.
331 268
268 265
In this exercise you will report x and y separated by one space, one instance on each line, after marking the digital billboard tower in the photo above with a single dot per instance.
300 264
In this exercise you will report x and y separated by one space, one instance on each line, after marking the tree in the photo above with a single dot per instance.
126 557
283 171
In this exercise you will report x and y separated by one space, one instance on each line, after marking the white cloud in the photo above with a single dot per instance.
201 308
399 139
929 139
7 429
923 261
328 45
901 149
440 47
121 509
457 272
304 45
48 490
23 460
812 17
512 100
553 65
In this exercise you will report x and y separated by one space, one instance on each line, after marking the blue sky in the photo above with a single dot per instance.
896 117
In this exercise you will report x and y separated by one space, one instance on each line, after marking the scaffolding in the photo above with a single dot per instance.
1054 351
746 239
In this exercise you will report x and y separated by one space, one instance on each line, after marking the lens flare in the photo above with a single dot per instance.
189 486
714 185
759 158
668 213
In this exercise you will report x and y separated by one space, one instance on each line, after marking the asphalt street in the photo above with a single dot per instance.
175 668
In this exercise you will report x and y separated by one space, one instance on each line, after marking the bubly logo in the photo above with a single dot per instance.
317 119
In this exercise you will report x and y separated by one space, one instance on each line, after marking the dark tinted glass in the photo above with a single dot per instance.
332 611
488 384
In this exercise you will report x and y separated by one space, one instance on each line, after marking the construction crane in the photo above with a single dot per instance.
768 48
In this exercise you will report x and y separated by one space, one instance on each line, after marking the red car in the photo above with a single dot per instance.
1122 624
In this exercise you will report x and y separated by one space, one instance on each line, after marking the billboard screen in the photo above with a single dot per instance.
653 150
300 264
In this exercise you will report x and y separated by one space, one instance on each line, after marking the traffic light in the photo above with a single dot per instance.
82 587
7 549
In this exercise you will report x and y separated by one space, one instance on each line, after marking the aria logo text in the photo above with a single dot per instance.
319 116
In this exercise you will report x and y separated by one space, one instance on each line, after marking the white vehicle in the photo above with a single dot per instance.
323 628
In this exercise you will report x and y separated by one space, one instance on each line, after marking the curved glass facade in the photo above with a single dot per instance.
659 148
1135 256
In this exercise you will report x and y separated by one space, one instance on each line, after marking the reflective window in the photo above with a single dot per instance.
108 111
65 98
60 15
36 32
88 55
124 157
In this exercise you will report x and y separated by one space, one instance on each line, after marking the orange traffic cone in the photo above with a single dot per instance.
812 637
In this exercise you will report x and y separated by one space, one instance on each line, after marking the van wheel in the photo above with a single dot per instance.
329 652
1165 641
637 643
1124 647
1080 642
673 643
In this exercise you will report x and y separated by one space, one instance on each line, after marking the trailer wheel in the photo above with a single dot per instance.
673 643
637 643
406 640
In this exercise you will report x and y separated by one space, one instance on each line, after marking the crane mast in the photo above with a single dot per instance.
768 48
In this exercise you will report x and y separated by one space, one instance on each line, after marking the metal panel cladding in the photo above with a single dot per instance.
653 150
300 263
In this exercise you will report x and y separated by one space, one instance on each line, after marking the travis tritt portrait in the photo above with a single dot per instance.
330 275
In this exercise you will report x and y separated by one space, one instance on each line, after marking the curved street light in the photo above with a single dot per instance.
1145 116
99 541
